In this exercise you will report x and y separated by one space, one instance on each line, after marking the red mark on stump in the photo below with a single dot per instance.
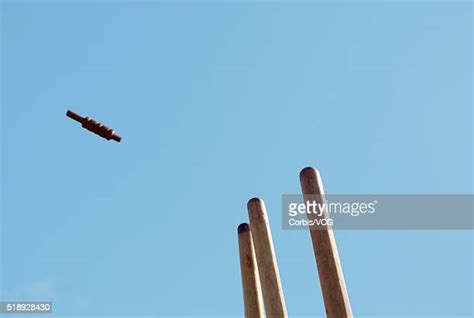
249 262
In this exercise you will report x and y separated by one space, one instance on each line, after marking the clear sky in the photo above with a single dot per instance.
218 103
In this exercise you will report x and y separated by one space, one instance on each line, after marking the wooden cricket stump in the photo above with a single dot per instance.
257 252
273 298
331 278
253 305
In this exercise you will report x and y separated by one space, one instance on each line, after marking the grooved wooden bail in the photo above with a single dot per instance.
94 126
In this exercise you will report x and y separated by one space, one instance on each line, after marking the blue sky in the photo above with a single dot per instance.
218 103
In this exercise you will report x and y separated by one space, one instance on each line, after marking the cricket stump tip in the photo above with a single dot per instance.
243 228
308 171
254 201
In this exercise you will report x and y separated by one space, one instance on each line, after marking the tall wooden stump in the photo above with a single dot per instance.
266 260
253 305
331 277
